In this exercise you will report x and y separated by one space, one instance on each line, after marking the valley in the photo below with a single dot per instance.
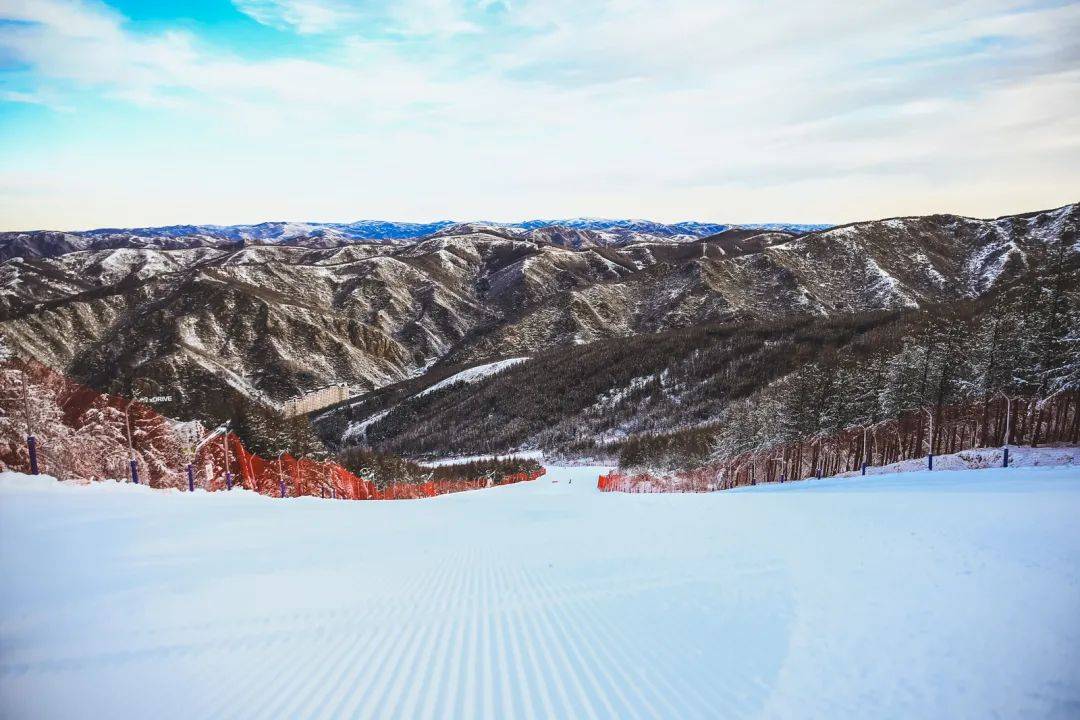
277 312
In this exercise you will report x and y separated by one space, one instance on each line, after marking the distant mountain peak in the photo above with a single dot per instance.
570 232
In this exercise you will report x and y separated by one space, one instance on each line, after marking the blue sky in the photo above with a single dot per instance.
153 112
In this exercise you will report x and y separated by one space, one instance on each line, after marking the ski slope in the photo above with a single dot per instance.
473 374
919 595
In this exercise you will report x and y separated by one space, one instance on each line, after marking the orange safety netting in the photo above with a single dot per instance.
619 482
292 477
82 434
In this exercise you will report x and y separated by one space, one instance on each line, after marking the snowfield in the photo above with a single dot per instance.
951 594
473 374
980 458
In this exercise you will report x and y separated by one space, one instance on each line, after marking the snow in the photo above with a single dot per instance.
1023 456
291 230
116 264
887 289
844 232
945 594
473 374
923 263
987 262
610 399
358 430
1046 227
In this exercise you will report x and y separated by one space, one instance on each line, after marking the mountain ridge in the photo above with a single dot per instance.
50 243
268 321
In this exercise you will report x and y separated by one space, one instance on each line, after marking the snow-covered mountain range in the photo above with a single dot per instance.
576 232
266 321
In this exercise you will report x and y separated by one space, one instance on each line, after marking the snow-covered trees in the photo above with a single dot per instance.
78 433
267 431
97 446
954 367
30 405
83 435
1066 377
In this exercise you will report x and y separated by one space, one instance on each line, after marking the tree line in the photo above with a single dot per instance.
965 368
386 469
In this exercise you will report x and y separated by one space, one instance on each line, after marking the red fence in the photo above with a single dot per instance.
297 477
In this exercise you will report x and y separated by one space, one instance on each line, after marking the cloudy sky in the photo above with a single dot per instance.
141 112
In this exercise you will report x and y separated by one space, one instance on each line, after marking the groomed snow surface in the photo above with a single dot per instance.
950 594
473 374
1047 456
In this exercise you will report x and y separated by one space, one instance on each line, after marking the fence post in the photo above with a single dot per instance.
31 444
225 450
864 468
134 471
280 475
190 478
930 441
1008 416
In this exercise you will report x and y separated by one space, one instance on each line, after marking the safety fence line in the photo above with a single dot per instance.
50 424
919 433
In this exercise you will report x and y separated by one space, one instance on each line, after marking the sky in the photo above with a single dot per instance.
151 112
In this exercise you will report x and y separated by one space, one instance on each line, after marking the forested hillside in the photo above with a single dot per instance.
575 397
51 425
682 397
268 321
622 331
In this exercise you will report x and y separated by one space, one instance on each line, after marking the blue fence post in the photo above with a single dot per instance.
1005 459
134 471
819 473
864 468
31 444
930 461
281 485
190 478
228 481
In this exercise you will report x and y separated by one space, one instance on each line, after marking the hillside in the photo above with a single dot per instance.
580 232
580 398
574 397
266 321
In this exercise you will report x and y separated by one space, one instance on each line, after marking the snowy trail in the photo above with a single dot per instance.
952 594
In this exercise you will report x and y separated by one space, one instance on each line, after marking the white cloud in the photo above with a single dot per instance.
305 16
33 98
68 18
722 110
402 17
